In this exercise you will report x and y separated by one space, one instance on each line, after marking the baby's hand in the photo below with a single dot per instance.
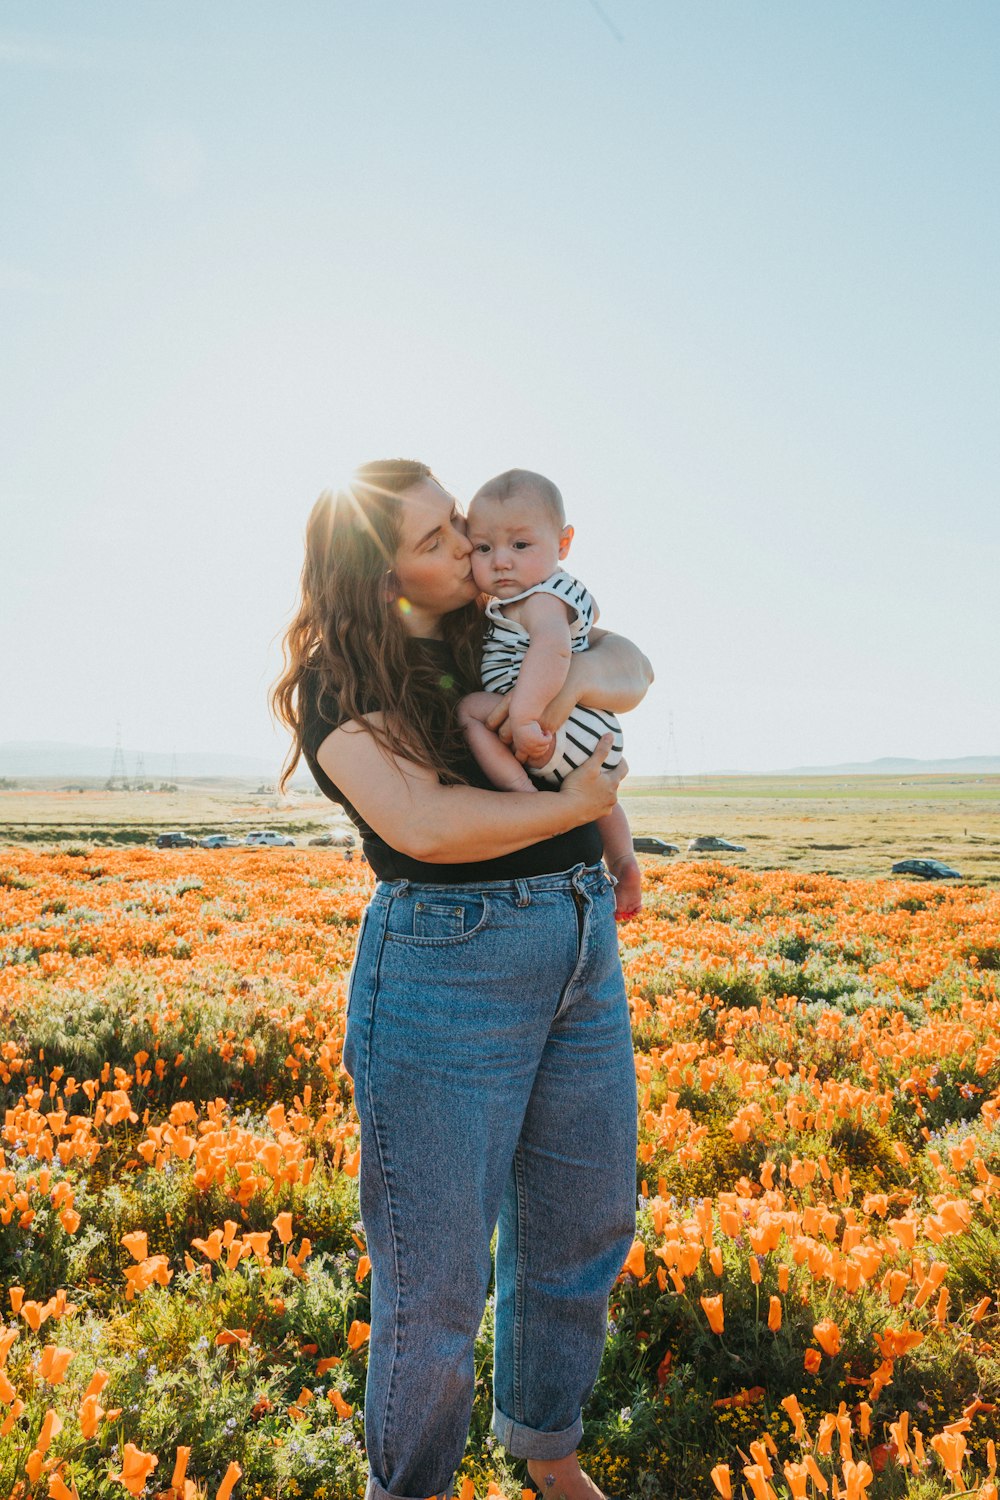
532 742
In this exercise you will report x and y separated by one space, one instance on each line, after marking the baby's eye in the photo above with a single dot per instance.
481 547
521 546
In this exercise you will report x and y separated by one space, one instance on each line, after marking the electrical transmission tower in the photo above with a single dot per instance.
673 759
118 780
139 780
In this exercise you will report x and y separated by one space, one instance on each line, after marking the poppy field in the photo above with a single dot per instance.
810 1307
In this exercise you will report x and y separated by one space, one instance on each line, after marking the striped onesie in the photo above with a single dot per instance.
504 652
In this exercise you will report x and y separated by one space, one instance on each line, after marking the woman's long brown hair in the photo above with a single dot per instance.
346 647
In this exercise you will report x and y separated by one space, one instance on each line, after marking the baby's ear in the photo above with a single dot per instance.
565 537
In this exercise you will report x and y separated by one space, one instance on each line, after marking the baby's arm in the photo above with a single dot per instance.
495 757
543 670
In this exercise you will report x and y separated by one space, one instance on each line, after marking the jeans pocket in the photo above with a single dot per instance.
432 919
439 923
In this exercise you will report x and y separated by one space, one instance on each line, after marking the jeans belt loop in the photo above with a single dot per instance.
402 888
523 894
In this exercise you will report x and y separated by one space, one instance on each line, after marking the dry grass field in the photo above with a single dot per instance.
853 826
850 826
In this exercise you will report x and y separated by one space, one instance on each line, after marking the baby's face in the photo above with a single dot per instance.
515 544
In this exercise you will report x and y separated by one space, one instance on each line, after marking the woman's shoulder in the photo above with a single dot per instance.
321 708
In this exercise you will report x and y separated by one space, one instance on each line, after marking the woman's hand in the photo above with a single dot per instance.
593 788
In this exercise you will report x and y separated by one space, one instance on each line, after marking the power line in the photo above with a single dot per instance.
607 20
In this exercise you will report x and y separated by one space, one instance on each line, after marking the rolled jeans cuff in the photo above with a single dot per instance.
374 1491
526 1442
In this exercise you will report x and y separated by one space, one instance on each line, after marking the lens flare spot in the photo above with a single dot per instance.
405 607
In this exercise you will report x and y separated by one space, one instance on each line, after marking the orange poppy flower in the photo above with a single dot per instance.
757 1480
357 1334
54 1363
827 1335
790 1404
798 1479
230 1477
950 1448
712 1307
136 1469
180 1468
60 1490
816 1474
635 1261
212 1247
722 1479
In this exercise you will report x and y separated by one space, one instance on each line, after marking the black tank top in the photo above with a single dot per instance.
579 846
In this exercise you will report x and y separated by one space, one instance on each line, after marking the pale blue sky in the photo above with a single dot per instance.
730 281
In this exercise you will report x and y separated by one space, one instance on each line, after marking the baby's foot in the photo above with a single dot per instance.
628 891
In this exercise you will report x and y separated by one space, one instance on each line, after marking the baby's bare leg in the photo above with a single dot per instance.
497 759
620 859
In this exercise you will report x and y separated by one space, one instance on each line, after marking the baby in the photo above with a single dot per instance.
539 615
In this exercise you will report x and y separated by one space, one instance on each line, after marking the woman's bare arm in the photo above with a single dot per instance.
613 674
409 808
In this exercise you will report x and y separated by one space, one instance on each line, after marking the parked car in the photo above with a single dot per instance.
710 841
176 840
343 840
220 841
649 844
266 838
927 869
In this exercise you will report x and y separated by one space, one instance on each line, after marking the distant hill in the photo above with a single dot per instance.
52 758
889 765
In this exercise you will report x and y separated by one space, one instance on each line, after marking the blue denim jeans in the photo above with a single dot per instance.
489 1042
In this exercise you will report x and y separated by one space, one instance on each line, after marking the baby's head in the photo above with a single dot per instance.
517 527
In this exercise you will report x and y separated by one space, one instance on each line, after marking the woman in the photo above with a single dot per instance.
487 1031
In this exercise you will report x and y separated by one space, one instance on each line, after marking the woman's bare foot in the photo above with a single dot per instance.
563 1479
628 891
